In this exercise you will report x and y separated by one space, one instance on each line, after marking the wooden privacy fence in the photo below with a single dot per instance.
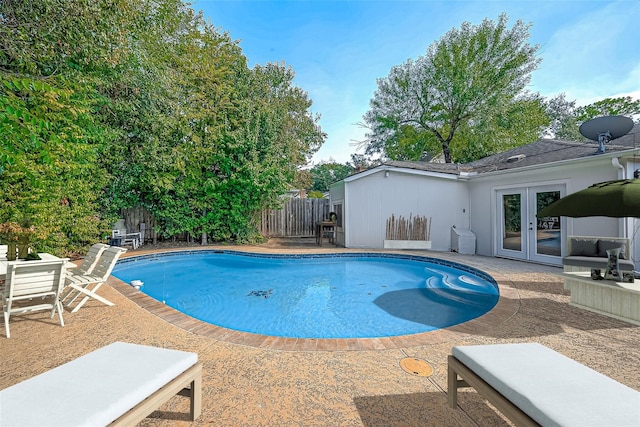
297 218
414 228
135 217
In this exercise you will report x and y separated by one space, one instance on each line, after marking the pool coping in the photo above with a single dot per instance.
507 306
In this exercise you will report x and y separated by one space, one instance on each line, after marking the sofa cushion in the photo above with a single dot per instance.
596 262
584 247
605 245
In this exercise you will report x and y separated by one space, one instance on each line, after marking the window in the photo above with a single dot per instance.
337 208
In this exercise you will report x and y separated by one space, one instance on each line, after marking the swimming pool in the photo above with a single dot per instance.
314 296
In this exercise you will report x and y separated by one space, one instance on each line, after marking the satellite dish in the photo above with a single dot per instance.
605 129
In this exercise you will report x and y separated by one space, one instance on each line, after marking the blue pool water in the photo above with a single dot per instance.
314 296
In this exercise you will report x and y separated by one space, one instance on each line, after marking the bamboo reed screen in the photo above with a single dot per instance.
414 228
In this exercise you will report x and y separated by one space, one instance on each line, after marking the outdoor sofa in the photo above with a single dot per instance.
585 253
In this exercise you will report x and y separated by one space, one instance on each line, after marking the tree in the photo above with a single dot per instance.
510 125
564 123
315 194
303 179
361 162
566 118
112 104
52 135
472 74
625 106
270 135
326 173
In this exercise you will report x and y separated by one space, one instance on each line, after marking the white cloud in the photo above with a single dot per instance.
594 57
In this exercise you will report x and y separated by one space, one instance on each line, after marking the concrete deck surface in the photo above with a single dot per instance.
249 383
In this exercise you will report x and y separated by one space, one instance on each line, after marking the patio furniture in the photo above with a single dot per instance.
127 239
119 384
4 263
533 385
88 284
587 252
90 260
611 298
32 286
325 230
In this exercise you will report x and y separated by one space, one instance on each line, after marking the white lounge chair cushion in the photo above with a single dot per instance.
551 388
94 389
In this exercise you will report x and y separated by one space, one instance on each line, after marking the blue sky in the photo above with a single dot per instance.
590 50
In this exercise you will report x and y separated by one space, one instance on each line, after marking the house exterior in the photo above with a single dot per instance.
496 197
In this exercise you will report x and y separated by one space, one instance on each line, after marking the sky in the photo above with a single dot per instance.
590 50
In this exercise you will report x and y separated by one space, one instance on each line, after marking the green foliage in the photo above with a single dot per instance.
564 123
623 106
302 179
566 118
325 174
314 194
512 213
466 82
49 160
511 125
409 143
361 162
124 103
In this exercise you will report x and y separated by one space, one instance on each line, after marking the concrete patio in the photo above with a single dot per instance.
252 382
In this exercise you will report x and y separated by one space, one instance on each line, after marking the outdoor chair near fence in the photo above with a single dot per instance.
126 239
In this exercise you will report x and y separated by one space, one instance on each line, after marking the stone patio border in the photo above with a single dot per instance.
507 306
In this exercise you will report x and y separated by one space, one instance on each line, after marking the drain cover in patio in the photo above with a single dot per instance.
416 367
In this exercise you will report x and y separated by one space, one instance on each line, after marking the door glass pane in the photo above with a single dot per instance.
548 228
512 238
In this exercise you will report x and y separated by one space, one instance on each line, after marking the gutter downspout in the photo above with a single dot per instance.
624 225
615 161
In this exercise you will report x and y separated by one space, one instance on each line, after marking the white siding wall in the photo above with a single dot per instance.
370 199
336 195
575 177
374 198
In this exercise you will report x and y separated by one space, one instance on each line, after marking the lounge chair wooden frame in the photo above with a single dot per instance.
469 379
188 384
113 385
534 385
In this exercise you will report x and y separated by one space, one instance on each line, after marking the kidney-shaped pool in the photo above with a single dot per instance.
352 295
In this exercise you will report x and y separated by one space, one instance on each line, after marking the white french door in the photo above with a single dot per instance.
521 234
